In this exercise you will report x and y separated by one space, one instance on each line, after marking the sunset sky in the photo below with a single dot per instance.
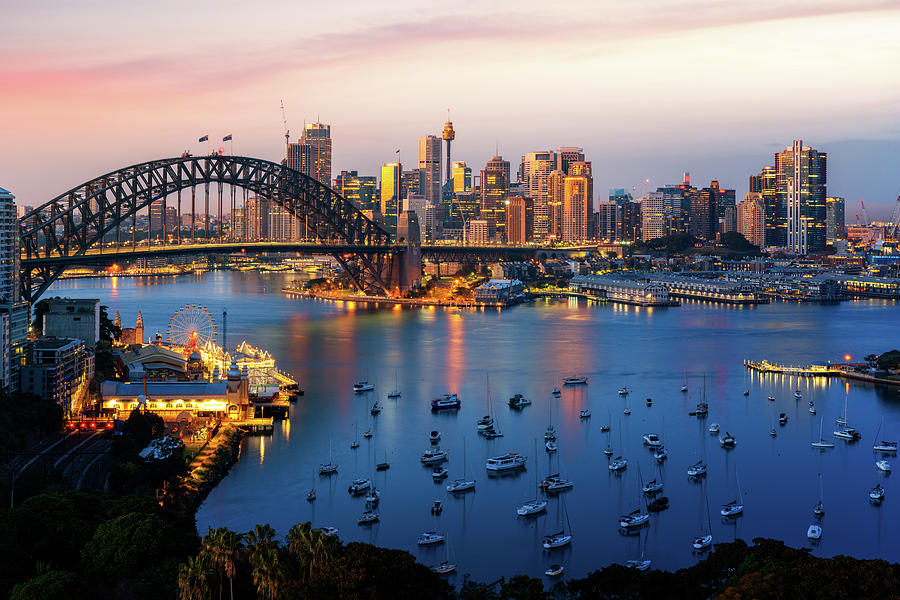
649 89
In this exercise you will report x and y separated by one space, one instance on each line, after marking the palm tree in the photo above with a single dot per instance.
310 547
268 573
193 578
223 547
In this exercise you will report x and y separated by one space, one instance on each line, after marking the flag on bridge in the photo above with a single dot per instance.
227 138
205 138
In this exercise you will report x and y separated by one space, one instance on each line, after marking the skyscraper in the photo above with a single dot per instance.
390 195
494 191
583 168
556 199
764 184
607 221
462 177
535 174
449 135
318 137
519 219
362 191
574 220
430 166
298 157
834 220
751 218
14 312
800 188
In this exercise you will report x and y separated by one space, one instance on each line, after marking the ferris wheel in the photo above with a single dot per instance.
191 325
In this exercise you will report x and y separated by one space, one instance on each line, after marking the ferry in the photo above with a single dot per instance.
446 402
574 380
506 462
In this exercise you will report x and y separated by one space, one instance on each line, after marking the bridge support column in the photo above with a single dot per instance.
406 269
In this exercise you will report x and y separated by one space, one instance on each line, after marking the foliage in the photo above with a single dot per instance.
109 331
24 416
52 585
141 427
889 361
737 242
670 244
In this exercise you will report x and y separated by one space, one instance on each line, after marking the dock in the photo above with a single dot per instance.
255 424
800 371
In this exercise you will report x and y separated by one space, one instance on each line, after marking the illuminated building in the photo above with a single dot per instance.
535 176
362 191
764 184
298 157
494 190
462 177
466 206
58 369
390 195
418 205
800 183
448 135
583 168
556 197
519 219
574 219
477 232
411 183
834 220
283 226
256 215
566 156
606 223
663 213
430 166
318 137
15 314
751 218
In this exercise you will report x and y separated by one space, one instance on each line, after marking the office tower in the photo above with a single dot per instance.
462 177
239 224
9 256
629 227
390 195
662 213
575 216
14 312
727 210
751 218
361 191
298 157
519 219
607 221
566 156
800 187
156 220
466 206
411 183
764 184
556 198
619 196
283 226
318 137
256 214
834 220
707 211
430 166
477 232
494 191
535 176
583 168
449 135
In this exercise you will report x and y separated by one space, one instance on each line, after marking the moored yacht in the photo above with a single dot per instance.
713 428
485 422
731 509
359 485
556 540
433 455
847 433
727 440
652 440
883 465
698 469
439 473
814 532
661 453
876 494
702 542
555 483
608 451
624 391
556 392
446 402
554 570
798 394
532 508
519 401
429 538
435 436
640 565
885 446
575 380
506 462
618 464
367 518
376 408
551 446
652 487
550 433
461 485
585 413
437 507
362 386
635 518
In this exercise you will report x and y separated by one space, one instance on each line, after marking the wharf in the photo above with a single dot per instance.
402 301
802 371
255 424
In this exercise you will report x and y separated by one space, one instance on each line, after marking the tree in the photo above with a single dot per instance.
311 548
109 331
268 573
737 242
889 361
223 547
52 585
870 359
193 577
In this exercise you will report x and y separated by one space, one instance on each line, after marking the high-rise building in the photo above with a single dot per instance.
318 137
619 196
574 220
430 166
751 218
494 191
298 157
14 313
477 232
834 220
282 225
709 211
360 190
466 206
663 213
412 184
519 219
417 204
764 184
606 221
535 176
556 199
629 226
801 191
462 177
449 135
390 195
583 168
256 215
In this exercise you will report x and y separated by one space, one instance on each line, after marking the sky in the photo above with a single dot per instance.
649 89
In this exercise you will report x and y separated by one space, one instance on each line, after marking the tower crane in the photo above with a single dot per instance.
865 216
287 132
895 218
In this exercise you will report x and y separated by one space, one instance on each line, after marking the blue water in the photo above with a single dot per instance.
526 350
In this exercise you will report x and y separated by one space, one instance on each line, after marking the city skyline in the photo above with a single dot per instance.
154 99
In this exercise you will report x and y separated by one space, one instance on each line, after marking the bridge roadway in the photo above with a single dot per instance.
111 253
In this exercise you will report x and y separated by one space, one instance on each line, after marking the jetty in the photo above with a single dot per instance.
801 371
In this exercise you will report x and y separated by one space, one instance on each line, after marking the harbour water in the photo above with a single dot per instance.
526 350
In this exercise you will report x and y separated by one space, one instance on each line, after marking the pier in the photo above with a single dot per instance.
801 371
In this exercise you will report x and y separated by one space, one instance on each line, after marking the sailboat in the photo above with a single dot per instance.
395 393
626 411
363 385
703 542
618 463
533 507
822 443
311 494
329 468
463 484
698 469
637 517
819 510
727 441
684 386
660 453
773 432
446 566
654 486
384 465
640 564
883 446
561 538
355 443
735 507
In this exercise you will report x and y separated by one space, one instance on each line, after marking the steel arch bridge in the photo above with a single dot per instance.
71 228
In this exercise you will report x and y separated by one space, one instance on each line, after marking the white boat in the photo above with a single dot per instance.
684 388
634 519
485 422
373 496
604 427
532 508
812 407
491 433
713 428
554 571
519 401
439 473
847 433
329 531
462 484
883 465
819 510
876 494
311 495
446 402
698 469
702 542
814 532
376 408
556 391
329 468
437 507
652 440
771 398
506 462
556 540
551 446
368 433
359 485
362 386
735 507
434 437
429 538
661 454
574 380
640 565
367 518
555 483
626 411
652 487
355 443
550 433
395 393
433 455
618 464
444 568
822 442
608 451
798 394
884 446
727 441
624 391
585 413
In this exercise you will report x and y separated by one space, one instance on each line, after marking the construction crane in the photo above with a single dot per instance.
895 220
865 215
287 132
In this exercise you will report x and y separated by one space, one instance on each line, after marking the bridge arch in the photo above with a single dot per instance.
78 220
